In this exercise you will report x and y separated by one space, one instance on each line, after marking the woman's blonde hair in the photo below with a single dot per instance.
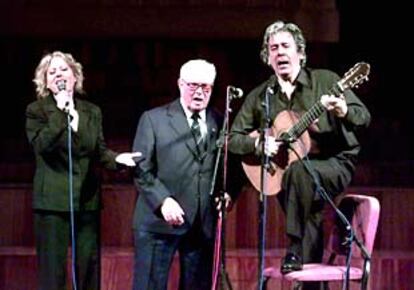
40 73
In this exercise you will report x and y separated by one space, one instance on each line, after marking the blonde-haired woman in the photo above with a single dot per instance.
59 85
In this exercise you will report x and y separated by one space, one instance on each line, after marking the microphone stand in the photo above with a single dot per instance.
266 166
71 208
219 264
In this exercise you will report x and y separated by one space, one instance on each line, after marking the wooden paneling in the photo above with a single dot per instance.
16 228
395 230
116 223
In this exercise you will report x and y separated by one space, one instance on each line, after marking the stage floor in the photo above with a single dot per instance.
390 270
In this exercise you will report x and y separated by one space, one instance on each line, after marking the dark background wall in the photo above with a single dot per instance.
132 50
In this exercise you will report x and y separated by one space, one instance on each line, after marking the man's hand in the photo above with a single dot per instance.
227 202
271 146
172 212
335 104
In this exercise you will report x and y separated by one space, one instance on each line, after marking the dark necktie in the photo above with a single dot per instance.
195 129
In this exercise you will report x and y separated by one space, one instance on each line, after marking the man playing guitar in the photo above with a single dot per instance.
330 115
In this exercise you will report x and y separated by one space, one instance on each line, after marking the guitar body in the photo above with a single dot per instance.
281 161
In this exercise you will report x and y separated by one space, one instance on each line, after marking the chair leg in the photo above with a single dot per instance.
365 276
297 285
364 284
266 279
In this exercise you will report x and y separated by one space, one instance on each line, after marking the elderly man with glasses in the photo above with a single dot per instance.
175 211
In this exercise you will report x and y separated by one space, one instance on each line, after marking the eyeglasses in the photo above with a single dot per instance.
194 86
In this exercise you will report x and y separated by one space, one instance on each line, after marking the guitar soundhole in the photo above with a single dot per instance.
282 157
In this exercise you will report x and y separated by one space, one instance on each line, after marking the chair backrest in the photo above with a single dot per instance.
363 213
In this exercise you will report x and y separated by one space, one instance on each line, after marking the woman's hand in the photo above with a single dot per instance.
127 158
64 101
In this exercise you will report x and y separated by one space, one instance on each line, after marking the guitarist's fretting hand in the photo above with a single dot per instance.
335 104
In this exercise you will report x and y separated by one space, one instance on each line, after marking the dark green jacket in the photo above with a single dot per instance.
46 128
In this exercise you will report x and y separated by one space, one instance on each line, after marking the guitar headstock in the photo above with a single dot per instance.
355 76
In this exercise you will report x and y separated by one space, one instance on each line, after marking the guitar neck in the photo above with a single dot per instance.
306 120
311 115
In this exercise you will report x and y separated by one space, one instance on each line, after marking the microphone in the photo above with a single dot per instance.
286 138
235 93
61 85
271 85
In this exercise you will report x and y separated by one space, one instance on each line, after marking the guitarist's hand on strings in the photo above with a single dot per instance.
271 146
335 104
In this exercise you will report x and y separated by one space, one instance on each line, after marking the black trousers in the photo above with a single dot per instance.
303 206
154 254
52 232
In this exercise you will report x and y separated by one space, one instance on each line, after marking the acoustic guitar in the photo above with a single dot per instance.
291 127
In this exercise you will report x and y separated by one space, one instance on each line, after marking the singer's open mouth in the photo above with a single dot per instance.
198 99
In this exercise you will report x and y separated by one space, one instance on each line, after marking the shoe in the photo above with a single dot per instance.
290 263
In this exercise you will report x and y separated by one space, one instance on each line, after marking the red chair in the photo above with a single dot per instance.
363 213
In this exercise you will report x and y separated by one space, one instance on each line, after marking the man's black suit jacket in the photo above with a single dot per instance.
171 166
